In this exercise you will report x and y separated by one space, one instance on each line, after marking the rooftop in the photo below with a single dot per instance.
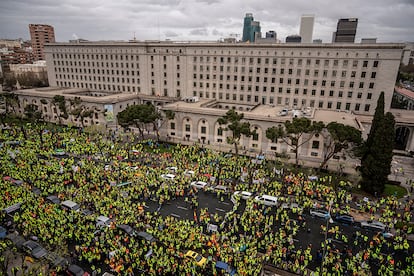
278 114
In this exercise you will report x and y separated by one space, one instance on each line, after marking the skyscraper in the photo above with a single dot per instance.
346 30
306 28
251 28
39 35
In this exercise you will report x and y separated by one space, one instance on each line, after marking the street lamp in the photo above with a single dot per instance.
328 220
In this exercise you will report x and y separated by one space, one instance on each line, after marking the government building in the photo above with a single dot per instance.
200 81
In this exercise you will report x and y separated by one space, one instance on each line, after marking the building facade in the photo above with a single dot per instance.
346 30
40 34
306 28
337 77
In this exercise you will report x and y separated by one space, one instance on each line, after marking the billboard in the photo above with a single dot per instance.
109 112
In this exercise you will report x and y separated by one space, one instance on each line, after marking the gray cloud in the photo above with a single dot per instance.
389 21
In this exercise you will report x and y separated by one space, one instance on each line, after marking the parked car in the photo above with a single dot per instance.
34 249
168 176
219 188
3 232
320 213
70 205
172 169
127 229
55 260
74 270
53 199
146 236
102 221
189 173
347 219
199 259
266 200
199 184
243 194
226 268
373 225
291 206
16 239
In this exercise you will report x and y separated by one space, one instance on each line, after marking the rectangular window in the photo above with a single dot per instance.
338 105
375 63
329 105
172 125
371 85
369 96
187 127
373 75
347 106
315 144
367 106
365 64
203 130
349 94
219 131
357 106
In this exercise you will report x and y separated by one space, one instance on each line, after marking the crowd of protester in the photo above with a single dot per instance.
92 165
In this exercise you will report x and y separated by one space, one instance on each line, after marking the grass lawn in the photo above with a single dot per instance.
394 189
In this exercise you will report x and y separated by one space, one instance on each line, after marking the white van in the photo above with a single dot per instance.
266 200
70 205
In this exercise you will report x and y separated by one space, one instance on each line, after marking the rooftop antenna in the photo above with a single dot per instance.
135 37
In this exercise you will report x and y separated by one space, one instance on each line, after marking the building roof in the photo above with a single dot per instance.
86 95
265 112
405 92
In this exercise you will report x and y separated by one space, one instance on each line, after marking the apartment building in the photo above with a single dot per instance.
339 77
40 34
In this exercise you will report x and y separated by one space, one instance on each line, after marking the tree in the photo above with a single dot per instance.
295 133
138 116
233 122
60 104
377 150
341 137
10 101
35 116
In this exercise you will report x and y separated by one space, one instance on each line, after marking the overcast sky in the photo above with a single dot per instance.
387 20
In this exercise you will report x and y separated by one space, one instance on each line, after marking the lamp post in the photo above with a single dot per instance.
328 220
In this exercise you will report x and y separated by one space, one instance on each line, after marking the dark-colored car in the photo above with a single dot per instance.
74 270
3 232
16 239
127 229
146 236
347 219
34 249
53 199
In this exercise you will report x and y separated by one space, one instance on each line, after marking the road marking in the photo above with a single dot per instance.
225 203
218 209
175 215
181 207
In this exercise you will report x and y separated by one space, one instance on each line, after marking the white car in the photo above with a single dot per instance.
266 200
102 221
320 213
199 184
291 206
243 194
168 176
373 225
189 173
172 169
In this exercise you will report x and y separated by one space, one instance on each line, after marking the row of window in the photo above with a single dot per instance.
234 60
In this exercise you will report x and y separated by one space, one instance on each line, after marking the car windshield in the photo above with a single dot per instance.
198 258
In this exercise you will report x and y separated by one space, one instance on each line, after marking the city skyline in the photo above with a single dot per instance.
202 19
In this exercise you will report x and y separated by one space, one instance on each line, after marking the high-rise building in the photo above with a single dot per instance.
251 29
306 28
271 34
40 34
346 30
